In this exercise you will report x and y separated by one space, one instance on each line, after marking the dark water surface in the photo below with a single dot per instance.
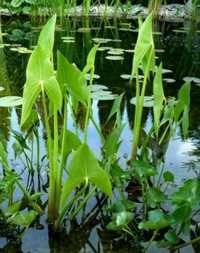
178 48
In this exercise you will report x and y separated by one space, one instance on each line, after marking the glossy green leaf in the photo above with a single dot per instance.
23 218
116 107
144 45
71 142
40 75
189 192
155 196
143 169
120 220
181 214
84 167
90 59
46 38
112 142
73 78
157 220
183 100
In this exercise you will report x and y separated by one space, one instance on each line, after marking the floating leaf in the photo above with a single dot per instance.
169 80
114 58
148 101
126 76
191 79
101 40
116 51
10 101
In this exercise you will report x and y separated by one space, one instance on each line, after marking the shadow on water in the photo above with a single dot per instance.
178 48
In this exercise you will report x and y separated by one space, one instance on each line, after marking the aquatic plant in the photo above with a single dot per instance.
57 90
169 113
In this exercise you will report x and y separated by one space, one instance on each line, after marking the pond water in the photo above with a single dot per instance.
177 47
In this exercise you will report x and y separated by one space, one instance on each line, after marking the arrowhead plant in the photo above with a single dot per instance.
58 89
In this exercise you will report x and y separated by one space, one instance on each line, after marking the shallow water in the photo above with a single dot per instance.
179 52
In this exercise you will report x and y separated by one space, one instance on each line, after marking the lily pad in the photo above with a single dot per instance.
101 40
126 76
98 87
87 76
114 57
10 101
191 79
165 71
129 50
148 101
84 30
169 80
116 51
104 48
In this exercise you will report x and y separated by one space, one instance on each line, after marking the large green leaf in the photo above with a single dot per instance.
23 218
144 46
68 74
90 59
188 193
46 38
40 74
112 142
84 167
157 220
71 142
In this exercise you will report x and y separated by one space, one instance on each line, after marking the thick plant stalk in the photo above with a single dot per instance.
139 109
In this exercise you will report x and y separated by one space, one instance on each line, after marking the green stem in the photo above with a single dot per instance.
186 243
88 196
139 108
